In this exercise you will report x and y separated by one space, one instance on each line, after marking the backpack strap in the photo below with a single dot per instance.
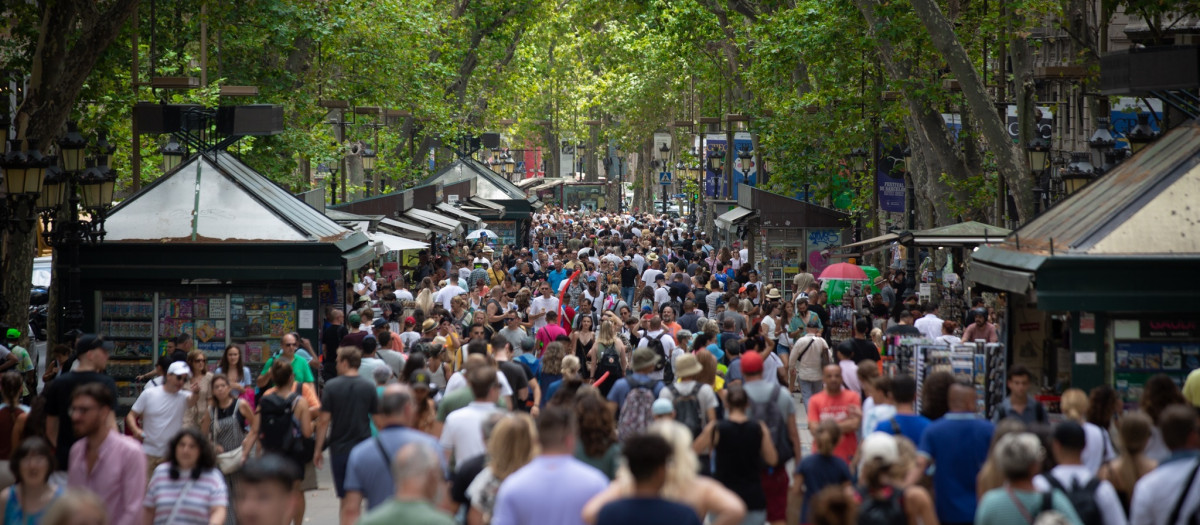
695 389
674 391
1183 495
896 428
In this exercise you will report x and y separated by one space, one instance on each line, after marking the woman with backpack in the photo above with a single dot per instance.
739 446
609 355
883 500
1019 457
281 417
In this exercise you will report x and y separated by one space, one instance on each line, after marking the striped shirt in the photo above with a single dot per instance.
202 495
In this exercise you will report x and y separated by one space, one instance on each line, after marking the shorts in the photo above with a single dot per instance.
775 488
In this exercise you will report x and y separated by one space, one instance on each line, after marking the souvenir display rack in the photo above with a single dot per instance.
981 364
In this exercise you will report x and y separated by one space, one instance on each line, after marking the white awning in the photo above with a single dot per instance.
393 243
438 223
449 209
406 228
728 219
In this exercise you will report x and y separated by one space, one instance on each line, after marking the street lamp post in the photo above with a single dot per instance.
39 188
1142 134
745 156
1078 173
664 155
1037 151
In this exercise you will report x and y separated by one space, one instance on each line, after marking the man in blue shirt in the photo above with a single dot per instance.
644 360
958 444
556 275
368 471
911 424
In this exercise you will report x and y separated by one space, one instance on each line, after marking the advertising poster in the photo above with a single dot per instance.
742 141
889 183
713 179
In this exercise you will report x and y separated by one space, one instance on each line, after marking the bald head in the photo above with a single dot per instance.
962 397
396 405
416 472
831 375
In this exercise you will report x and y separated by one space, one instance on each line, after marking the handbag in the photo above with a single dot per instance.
231 460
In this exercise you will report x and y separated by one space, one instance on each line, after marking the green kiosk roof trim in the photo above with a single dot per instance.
1128 241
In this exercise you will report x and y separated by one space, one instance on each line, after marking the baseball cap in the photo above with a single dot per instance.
378 323
752 363
179 368
354 319
87 342
662 407
419 378
410 320
13 333
880 445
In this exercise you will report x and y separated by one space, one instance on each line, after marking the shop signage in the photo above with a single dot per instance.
891 192
1087 323
1170 329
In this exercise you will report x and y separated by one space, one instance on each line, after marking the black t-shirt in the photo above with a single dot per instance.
517 379
350 402
330 339
823 315
629 276
58 403
463 476
646 511
860 349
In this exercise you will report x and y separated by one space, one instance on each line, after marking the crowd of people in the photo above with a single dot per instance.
620 370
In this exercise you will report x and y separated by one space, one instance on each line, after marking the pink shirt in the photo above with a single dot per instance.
548 334
118 478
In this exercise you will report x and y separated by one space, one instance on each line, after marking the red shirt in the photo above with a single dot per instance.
823 407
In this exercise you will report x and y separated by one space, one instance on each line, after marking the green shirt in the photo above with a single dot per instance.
606 463
24 365
406 512
300 369
997 508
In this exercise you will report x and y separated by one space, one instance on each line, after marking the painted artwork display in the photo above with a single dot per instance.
820 241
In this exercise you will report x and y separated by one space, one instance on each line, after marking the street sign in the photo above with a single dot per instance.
679 196
664 178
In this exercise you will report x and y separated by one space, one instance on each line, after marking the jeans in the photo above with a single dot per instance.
627 294
755 517
809 389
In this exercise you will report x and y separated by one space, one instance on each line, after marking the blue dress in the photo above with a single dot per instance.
13 513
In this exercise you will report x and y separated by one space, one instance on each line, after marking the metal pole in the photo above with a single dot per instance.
911 267
73 315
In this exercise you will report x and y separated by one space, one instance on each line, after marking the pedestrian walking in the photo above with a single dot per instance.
161 411
187 488
104 461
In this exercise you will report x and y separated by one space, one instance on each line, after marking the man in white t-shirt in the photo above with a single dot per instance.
687 368
161 410
462 435
656 331
449 292
540 305
652 273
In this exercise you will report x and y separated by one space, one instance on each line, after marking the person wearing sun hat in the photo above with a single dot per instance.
687 372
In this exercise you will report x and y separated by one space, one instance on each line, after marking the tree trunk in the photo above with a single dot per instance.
1009 161
928 129
71 39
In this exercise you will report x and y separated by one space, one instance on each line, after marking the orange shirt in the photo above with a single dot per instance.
823 407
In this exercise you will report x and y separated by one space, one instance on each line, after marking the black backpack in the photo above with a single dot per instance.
873 511
609 362
687 408
279 430
655 343
1083 498
768 412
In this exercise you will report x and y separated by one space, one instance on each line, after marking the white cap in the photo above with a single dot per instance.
880 445
179 368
